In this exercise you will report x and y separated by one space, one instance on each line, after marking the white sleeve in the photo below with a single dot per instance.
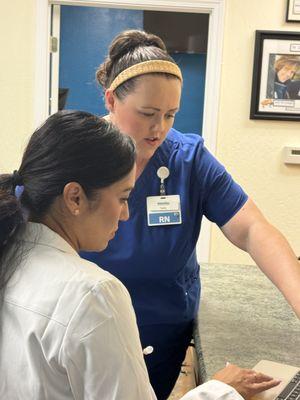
213 390
101 351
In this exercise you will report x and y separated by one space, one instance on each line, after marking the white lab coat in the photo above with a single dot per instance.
68 331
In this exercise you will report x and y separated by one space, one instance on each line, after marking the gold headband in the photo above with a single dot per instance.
146 67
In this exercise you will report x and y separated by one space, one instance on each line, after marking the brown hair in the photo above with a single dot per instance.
129 48
287 60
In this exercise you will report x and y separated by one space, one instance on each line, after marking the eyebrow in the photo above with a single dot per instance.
158 109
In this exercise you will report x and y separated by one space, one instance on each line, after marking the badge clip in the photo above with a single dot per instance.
162 173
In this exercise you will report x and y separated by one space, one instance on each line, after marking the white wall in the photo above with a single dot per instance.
17 39
251 149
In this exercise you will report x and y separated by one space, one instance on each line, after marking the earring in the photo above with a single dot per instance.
76 212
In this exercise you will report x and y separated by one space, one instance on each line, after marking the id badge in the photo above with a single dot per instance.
163 210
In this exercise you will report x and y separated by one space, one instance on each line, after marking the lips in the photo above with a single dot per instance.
152 141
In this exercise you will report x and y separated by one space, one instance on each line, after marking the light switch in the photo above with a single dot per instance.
291 155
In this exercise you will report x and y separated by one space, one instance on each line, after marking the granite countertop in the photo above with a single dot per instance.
243 318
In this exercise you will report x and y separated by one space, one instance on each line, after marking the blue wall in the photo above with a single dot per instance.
86 33
190 117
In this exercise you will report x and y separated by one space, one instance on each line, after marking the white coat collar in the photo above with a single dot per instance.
40 234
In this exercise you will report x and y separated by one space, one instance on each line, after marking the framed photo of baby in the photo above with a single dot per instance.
276 76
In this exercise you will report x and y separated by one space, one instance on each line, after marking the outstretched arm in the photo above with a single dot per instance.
250 231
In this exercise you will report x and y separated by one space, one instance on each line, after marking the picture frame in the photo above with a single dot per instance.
276 76
293 11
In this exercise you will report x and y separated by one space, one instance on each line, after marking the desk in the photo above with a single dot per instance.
243 318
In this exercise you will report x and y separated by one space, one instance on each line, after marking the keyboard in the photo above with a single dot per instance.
292 390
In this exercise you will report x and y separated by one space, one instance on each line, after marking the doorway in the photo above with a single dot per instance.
215 11
85 34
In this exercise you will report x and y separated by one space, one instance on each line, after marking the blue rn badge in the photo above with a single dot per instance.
164 218
163 210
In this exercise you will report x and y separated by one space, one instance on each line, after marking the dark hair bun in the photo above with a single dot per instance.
128 48
128 41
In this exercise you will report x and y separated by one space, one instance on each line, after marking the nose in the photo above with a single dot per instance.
124 212
158 126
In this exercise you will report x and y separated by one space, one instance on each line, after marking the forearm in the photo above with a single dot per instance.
273 254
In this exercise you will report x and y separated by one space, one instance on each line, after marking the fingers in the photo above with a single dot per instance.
258 382
263 382
259 377
246 381
260 387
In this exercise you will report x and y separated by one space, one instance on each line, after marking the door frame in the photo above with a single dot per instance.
216 11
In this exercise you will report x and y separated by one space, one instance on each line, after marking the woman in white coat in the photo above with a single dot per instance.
67 327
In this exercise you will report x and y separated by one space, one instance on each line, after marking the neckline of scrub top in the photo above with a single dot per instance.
40 234
158 159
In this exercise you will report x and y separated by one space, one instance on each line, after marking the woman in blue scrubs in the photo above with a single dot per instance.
154 253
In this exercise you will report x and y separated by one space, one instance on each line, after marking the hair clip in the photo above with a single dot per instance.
18 191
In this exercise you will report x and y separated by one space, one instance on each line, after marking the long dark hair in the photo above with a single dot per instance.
129 48
71 146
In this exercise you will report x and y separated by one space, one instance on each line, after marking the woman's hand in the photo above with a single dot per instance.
246 382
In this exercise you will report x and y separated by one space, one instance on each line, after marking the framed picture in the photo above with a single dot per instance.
293 11
276 76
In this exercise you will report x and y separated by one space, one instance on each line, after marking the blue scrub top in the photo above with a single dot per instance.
158 264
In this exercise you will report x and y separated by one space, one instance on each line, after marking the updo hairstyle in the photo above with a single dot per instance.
127 49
